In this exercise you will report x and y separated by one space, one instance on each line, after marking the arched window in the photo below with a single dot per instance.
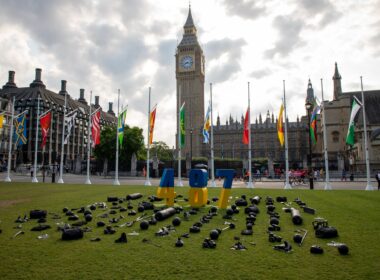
335 136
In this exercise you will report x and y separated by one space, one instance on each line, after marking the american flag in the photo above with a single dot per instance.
95 129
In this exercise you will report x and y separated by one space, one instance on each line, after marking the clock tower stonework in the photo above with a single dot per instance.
190 76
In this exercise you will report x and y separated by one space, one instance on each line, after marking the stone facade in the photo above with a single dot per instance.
26 98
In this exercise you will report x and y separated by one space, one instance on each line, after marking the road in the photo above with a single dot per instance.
359 184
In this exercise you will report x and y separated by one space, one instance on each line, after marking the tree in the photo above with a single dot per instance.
133 142
162 151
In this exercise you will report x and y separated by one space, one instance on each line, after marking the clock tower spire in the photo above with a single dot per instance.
190 78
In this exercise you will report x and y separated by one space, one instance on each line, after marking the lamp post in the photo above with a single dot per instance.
309 106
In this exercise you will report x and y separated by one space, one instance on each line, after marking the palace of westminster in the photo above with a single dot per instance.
190 77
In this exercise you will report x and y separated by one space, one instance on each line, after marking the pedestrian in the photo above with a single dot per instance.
378 180
344 175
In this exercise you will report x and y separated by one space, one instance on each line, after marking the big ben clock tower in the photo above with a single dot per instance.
190 75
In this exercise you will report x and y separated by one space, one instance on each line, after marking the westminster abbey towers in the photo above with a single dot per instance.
190 75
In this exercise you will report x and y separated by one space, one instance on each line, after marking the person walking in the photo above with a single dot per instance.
344 175
377 176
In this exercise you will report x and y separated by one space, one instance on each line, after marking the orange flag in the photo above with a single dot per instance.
246 128
151 124
280 128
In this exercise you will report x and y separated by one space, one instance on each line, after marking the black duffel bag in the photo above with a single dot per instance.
37 214
72 234
326 232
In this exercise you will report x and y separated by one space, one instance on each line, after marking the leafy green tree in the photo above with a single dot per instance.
162 151
133 142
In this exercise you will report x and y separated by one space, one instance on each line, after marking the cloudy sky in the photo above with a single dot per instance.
104 45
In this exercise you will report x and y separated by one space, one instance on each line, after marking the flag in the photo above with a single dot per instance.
1 120
95 129
313 124
45 126
351 126
182 125
120 126
69 122
246 128
20 130
280 128
206 126
151 124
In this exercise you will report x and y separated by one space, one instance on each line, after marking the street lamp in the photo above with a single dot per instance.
309 106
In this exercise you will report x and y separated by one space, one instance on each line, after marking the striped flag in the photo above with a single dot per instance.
95 129
350 139
69 123
207 125
152 119
280 128
313 123
120 126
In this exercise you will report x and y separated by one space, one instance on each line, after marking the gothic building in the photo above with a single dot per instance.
27 98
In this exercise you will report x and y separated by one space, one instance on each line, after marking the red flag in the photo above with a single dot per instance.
246 128
152 120
45 126
95 129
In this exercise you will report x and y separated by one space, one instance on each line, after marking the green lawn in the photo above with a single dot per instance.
354 213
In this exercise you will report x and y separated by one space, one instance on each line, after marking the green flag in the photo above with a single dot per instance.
182 125
351 126
120 126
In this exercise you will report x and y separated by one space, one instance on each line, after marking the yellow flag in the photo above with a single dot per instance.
280 128
1 121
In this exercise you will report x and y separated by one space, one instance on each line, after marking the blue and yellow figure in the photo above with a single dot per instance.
228 175
198 193
166 188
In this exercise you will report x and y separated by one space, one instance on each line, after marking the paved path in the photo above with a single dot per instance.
359 184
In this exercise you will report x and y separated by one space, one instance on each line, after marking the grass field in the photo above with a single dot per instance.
354 213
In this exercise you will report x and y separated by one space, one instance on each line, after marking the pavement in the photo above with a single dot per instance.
264 183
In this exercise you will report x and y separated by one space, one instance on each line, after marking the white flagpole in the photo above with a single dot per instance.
34 180
60 180
116 181
250 183
180 184
88 182
287 184
369 186
327 180
213 184
8 178
147 182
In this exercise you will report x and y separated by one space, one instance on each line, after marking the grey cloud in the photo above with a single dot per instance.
245 9
325 8
289 30
261 73
215 49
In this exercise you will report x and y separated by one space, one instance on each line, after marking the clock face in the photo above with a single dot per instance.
187 62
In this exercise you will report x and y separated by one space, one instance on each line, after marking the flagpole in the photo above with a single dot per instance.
327 180
34 180
180 184
60 180
287 184
147 182
250 183
369 186
88 182
213 184
8 178
116 180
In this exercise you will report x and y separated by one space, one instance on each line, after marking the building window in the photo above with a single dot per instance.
335 136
